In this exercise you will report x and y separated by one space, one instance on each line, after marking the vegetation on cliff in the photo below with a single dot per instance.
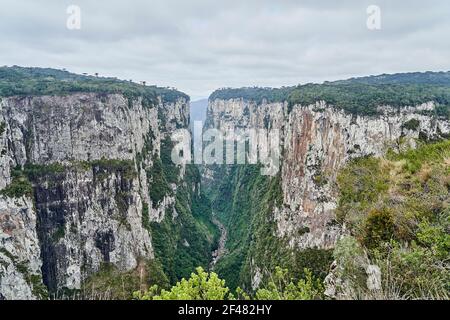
20 81
360 96
186 236
244 202
208 286
397 212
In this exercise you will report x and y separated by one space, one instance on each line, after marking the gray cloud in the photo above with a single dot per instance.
199 45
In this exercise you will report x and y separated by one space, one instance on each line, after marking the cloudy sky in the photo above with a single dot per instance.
200 45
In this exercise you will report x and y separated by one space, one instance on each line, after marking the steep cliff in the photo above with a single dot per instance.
83 185
294 224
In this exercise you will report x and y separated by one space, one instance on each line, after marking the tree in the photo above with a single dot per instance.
200 286
282 288
208 286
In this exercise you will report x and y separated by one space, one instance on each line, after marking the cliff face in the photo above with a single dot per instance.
76 186
316 141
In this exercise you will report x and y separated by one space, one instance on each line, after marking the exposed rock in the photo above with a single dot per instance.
20 254
88 209
373 277
317 140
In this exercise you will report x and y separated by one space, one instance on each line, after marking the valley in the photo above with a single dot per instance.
90 197
220 251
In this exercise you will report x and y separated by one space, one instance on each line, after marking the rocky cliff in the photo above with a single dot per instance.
316 140
80 181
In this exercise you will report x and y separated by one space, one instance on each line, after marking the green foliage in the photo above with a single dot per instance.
158 187
280 288
19 186
407 271
358 96
21 177
244 203
360 183
208 286
171 170
34 171
403 228
185 238
244 194
364 99
37 286
252 93
145 216
378 227
162 173
417 273
58 233
33 280
386 198
43 81
147 148
442 111
112 284
435 236
412 124
104 167
200 286
435 78
427 153
351 260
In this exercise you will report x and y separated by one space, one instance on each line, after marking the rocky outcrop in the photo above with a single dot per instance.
20 254
316 140
87 158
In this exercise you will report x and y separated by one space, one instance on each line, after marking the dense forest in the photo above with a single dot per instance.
358 95
46 81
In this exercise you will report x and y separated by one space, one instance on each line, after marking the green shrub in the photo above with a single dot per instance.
403 229
145 216
200 286
208 286
412 124
281 288
378 228
360 183
158 187
19 186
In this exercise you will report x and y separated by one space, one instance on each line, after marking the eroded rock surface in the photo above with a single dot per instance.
88 158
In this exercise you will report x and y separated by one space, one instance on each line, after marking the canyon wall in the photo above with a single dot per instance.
316 140
76 183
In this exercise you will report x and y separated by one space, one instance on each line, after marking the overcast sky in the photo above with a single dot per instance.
199 45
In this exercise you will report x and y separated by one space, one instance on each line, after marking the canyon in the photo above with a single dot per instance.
87 184
317 140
